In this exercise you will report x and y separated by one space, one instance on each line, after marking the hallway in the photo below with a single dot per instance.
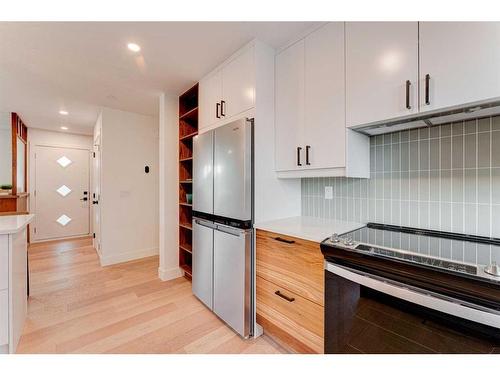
77 306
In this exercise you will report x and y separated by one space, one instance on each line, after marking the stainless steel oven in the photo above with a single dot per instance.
385 299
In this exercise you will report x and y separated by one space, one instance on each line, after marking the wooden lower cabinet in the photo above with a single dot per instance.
292 320
290 291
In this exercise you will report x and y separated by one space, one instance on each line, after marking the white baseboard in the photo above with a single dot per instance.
169 274
129 255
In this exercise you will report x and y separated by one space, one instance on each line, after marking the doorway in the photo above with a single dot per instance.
62 195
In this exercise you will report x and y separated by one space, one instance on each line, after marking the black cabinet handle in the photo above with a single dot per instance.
284 240
298 156
217 110
427 84
222 103
95 202
307 155
279 294
408 84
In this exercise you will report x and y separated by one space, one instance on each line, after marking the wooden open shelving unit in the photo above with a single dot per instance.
188 128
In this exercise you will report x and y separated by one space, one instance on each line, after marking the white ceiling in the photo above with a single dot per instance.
82 66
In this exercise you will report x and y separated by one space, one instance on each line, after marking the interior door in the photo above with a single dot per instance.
232 275
203 261
209 100
61 192
380 58
289 99
325 97
233 170
462 60
96 193
238 84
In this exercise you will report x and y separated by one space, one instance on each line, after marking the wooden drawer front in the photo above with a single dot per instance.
296 266
296 324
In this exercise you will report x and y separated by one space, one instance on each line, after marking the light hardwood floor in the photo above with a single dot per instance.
77 306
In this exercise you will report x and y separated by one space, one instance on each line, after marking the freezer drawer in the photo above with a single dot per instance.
203 174
203 240
232 278
233 170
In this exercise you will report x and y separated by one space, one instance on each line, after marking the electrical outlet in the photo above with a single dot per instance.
328 192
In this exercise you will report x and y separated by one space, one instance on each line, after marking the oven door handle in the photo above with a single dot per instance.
419 296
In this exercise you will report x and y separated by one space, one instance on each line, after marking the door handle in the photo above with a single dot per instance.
307 155
85 199
222 103
408 84
427 84
284 240
205 224
298 156
95 202
217 110
279 294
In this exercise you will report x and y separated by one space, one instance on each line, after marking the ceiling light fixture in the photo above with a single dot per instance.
134 47
63 112
64 127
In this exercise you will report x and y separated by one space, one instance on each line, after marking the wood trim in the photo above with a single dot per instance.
19 130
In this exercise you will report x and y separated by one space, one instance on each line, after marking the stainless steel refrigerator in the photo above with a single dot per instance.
222 223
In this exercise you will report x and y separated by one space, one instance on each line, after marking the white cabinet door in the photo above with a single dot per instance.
4 261
289 101
324 127
4 317
380 58
210 95
18 304
462 60
238 84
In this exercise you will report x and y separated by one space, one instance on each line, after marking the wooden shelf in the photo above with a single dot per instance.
192 113
186 226
188 128
187 268
191 135
186 247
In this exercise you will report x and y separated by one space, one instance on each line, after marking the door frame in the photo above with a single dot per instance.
96 227
32 184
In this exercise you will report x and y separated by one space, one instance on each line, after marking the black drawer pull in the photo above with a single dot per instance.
279 294
284 240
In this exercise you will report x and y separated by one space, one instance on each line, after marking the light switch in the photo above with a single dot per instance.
328 192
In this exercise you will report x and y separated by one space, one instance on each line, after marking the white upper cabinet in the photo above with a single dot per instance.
209 100
310 131
228 91
325 97
238 84
381 71
289 101
461 61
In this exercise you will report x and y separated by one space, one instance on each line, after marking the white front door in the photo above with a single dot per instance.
62 193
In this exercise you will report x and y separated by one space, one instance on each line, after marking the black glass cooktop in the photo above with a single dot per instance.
449 251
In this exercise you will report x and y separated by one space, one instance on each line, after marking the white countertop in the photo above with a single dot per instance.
14 223
308 228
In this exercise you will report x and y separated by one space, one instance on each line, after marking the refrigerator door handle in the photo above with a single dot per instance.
205 224
232 231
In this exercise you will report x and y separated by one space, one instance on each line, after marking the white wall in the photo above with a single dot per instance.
5 148
39 137
129 196
274 198
169 188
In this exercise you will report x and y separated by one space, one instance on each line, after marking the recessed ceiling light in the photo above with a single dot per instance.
64 127
63 112
134 47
